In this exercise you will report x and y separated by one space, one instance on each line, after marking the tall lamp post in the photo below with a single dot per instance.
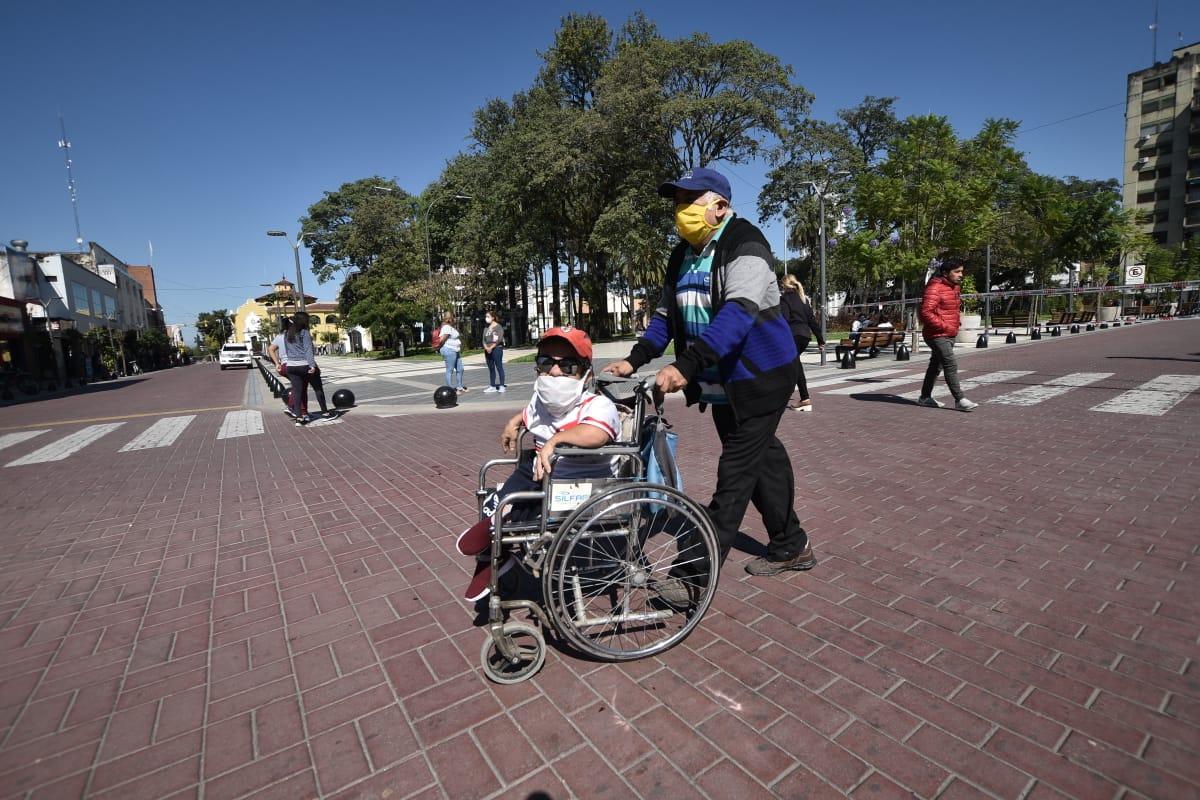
295 252
821 190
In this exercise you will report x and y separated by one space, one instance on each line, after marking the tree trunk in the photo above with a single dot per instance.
555 311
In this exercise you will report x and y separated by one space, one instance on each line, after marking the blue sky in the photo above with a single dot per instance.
199 126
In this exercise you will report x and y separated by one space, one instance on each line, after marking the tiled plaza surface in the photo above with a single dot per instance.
1004 604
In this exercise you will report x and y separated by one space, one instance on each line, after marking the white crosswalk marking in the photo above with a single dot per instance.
72 443
868 385
162 433
849 376
985 379
1032 395
9 439
241 423
351 379
1153 398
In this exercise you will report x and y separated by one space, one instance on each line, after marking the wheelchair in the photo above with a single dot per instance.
601 548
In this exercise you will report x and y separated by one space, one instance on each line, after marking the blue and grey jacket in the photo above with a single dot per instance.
748 339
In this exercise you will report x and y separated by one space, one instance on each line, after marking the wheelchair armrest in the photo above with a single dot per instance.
487 465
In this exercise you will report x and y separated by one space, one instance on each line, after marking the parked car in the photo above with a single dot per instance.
236 355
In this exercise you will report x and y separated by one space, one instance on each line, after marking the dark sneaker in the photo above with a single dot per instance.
765 566
676 593
475 539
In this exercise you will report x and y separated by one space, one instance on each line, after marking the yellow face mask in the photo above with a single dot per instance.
691 224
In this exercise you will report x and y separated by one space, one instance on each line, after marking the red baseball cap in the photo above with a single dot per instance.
579 341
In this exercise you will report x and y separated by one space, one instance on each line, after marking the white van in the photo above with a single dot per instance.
236 355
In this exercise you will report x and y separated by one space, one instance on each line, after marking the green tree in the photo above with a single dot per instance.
216 327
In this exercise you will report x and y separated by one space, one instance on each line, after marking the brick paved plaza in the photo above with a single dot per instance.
1003 606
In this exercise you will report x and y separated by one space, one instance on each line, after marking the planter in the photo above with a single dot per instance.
969 328
970 320
1107 313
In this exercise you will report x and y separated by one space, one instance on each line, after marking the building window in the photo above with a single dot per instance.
331 319
97 304
79 299
110 307
1151 84
1145 197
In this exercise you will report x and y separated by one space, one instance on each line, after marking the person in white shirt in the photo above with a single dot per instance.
275 351
449 343
561 411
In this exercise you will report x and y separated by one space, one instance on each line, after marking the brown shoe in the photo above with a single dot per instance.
765 566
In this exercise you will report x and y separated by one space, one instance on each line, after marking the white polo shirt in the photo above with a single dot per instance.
593 409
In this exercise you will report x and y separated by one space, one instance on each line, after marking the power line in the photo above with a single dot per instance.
1073 116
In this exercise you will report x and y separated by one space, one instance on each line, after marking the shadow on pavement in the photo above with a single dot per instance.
884 398
91 388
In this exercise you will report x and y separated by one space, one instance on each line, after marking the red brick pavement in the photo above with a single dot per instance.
1001 608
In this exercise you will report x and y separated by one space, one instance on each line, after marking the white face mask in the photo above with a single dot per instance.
559 393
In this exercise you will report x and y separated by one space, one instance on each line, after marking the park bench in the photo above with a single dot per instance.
870 341
1017 319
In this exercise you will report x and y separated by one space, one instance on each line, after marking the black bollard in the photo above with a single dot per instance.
902 353
1074 329
848 360
1090 327
1037 334
1103 326
981 342
1056 332
1116 324
1011 338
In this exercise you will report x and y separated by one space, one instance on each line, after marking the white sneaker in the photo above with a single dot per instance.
928 402
965 405
490 390
502 389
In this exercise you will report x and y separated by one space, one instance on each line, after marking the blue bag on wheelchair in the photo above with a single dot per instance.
660 446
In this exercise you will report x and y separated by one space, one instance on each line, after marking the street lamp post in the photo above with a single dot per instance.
295 252
820 190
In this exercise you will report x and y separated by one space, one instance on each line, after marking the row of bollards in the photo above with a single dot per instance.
274 382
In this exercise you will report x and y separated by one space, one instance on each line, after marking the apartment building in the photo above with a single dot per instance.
1162 147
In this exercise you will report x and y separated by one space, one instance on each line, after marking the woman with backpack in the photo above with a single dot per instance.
804 327
449 343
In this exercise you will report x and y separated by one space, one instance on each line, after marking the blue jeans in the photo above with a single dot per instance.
495 362
454 364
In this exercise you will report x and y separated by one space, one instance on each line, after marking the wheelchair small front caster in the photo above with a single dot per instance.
526 653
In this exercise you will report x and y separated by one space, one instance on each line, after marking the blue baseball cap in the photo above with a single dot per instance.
700 179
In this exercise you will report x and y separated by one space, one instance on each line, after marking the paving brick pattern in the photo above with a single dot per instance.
1003 607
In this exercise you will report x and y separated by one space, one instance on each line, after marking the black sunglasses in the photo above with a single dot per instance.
569 365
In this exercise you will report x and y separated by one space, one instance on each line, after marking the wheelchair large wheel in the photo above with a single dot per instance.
615 571
525 656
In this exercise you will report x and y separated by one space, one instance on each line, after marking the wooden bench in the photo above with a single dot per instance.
870 340
1016 319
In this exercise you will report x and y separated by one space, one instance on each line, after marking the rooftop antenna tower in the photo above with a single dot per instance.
64 144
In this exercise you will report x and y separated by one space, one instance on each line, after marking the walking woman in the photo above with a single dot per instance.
450 342
939 325
804 327
302 369
493 348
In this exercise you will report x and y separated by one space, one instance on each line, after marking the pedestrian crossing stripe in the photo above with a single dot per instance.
1153 398
66 446
988 378
1032 395
241 423
866 384
9 439
162 433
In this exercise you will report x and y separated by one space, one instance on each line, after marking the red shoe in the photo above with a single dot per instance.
479 587
475 539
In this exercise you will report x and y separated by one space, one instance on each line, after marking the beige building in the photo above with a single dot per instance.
250 316
1162 147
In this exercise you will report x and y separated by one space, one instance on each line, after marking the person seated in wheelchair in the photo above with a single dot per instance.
561 411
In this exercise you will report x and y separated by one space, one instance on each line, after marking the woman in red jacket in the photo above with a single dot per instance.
939 325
